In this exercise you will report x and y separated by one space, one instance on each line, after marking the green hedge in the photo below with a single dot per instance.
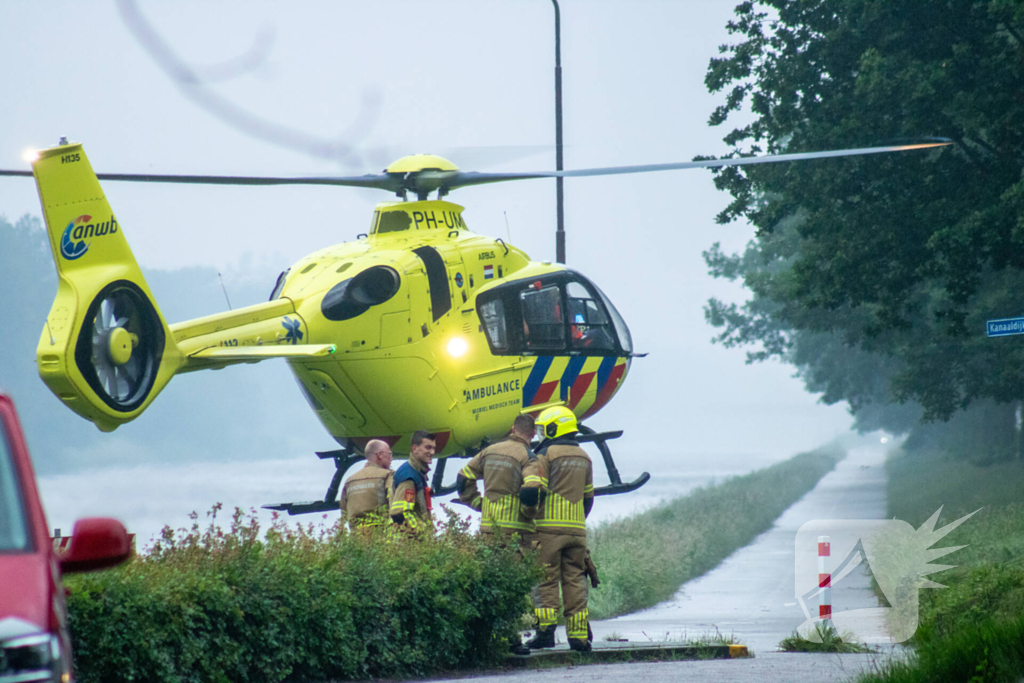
644 559
298 603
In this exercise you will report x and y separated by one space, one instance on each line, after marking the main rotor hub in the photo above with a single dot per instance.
414 163
422 174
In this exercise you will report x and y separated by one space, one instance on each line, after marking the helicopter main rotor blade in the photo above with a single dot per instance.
464 179
422 182
381 182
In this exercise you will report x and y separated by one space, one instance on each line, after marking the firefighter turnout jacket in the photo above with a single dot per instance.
364 499
567 481
410 495
505 468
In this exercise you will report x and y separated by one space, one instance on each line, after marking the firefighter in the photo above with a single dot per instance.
410 495
364 500
505 469
566 498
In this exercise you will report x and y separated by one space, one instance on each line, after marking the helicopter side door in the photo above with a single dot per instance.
542 310
458 284
430 303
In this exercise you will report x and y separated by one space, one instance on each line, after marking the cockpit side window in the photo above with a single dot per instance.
279 285
492 314
589 327
543 319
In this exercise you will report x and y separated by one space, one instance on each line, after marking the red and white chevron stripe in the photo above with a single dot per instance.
824 578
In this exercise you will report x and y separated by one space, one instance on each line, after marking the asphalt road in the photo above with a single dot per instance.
768 667
752 593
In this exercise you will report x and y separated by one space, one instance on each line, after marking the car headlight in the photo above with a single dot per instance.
31 658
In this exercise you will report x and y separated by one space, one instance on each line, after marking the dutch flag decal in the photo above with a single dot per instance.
488 272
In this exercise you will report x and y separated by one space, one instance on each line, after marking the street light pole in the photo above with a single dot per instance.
560 231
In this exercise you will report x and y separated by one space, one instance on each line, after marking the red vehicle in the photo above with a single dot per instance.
35 644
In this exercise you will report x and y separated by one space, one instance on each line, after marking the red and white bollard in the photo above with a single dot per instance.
824 582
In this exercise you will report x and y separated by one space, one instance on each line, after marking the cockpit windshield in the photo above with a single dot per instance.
588 324
558 314
13 532
625 338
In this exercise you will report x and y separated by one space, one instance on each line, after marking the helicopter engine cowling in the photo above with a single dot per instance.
354 296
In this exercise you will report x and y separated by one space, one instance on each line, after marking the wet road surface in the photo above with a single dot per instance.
752 593
751 596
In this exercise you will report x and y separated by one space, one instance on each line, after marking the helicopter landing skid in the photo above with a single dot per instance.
437 487
343 460
600 439
586 435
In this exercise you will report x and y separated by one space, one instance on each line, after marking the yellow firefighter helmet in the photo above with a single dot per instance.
556 422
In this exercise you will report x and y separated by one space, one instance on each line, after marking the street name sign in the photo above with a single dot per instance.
1004 327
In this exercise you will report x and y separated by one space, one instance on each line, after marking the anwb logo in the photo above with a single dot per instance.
72 243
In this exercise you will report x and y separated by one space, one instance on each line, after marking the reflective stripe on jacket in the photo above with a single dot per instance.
567 476
409 494
502 467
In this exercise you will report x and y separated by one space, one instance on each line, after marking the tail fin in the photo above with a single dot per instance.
106 350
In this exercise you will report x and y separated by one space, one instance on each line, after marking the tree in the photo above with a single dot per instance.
827 361
901 257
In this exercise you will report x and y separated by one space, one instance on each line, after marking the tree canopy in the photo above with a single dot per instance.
875 275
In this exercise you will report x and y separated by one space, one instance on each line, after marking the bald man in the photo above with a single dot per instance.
364 500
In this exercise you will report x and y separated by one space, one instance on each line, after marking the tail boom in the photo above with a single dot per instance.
105 349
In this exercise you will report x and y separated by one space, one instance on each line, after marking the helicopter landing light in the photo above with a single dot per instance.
457 347
30 155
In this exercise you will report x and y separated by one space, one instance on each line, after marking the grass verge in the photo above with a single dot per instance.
972 630
644 559
831 641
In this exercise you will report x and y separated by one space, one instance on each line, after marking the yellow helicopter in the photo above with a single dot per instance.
417 324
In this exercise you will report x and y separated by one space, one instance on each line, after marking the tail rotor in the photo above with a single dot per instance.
120 345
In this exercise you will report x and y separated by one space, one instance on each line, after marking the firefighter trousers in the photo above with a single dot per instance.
563 558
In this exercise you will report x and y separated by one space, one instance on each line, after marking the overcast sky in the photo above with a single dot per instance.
447 76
